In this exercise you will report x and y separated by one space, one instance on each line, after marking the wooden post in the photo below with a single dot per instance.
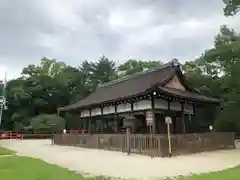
93 126
102 125
128 141
168 121
106 125
182 119
89 126
84 124
116 124
169 140
153 127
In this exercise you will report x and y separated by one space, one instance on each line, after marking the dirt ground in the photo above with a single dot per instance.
117 164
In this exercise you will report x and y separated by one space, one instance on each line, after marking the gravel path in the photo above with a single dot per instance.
117 164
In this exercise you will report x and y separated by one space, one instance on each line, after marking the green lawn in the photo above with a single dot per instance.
25 168
4 151
228 174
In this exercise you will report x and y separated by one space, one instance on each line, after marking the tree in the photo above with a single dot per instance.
48 67
1 92
49 85
222 63
37 91
1 87
48 122
104 70
74 83
133 66
232 7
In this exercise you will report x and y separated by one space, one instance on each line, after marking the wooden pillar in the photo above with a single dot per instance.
102 125
93 125
116 124
90 125
153 112
84 124
106 125
183 119
170 115
81 124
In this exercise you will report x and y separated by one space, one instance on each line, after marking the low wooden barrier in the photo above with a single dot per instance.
34 135
10 135
152 145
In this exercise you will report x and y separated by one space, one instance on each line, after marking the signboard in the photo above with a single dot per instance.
149 118
168 120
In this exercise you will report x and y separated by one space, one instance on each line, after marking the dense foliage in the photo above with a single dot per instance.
43 88
232 7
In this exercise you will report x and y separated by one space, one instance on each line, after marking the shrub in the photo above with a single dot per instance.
48 123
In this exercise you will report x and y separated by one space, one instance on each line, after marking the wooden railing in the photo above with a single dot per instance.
152 145
34 135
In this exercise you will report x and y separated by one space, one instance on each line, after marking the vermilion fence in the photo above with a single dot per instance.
10 135
31 135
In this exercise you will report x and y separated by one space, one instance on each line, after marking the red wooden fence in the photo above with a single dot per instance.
39 135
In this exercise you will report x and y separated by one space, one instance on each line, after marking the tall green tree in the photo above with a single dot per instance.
95 73
37 91
48 67
133 66
74 82
223 63
232 7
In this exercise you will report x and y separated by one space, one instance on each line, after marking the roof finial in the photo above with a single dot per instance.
175 62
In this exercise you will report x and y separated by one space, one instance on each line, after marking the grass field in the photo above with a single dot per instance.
26 168
4 151
228 174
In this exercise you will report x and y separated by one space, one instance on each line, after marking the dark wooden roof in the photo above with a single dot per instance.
135 85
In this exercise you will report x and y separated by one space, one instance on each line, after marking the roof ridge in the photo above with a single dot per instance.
173 62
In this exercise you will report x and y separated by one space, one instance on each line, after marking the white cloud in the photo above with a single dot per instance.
76 30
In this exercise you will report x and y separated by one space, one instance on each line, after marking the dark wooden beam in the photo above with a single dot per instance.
183 120
90 112
153 97
101 110
115 108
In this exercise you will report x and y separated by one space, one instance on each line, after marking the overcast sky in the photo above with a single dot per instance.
75 30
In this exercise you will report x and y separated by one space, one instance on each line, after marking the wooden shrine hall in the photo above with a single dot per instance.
146 98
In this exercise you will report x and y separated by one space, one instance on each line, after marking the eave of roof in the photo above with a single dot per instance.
188 95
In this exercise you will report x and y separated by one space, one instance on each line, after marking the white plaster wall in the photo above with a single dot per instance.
81 114
142 104
85 113
96 111
108 110
124 107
